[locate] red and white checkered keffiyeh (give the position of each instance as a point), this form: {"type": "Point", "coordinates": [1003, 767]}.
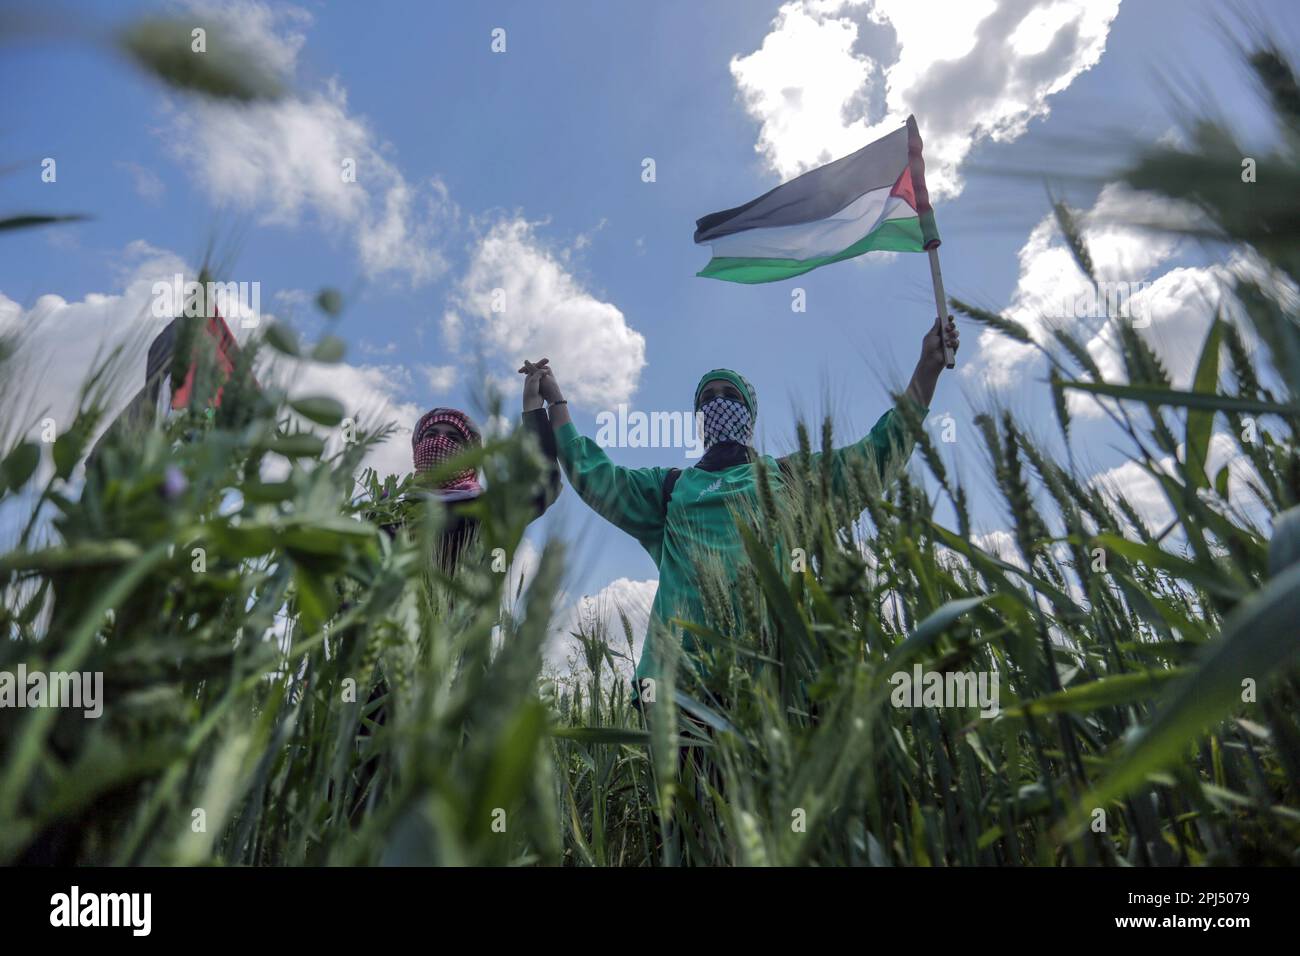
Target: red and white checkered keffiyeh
{"type": "Point", "coordinates": [431, 450]}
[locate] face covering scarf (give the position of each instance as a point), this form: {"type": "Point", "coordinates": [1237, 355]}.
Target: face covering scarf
{"type": "Point", "coordinates": [432, 450]}
{"type": "Point", "coordinates": [726, 419]}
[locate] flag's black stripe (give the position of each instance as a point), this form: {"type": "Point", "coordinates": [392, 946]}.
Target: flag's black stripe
{"type": "Point", "coordinates": [817, 193]}
{"type": "Point", "coordinates": [160, 353]}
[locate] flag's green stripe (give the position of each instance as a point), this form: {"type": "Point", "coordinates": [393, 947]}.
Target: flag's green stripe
{"type": "Point", "coordinates": [892, 235]}
{"type": "Point", "coordinates": [929, 230]}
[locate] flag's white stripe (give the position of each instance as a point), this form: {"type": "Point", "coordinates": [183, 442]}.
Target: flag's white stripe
{"type": "Point", "coordinates": [809, 240]}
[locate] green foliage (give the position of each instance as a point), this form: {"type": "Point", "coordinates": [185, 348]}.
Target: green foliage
{"type": "Point", "coordinates": [292, 678]}
{"type": "Point", "coordinates": [249, 630]}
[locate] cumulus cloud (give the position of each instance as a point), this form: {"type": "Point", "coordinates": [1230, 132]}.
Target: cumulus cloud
{"type": "Point", "coordinates": [600, 613]}
{"type": "Point", "coordinates": [1001, 544]}
{"type": "Point", "coordinates": [61, 341]}
{"type": "Point", "coordinates": [1179, 306]}
{"type": "Point", "coordinates": [833, 75]}
{"type": "Point", "coordinates": [1050, 282]}
{"type": "Point", "coordinates": [597, 613]}
{"type": "Point", "coordinates": [520, 300]}
{"type": "Point", "coordinates": [371, 396]}
{"type": "Point", "coordinates": [1134, 483]}
{"type": "Point", "coordinates": [1173, 309]}
{"type": "Point", "coordinates": [439, 378]}
{"type": "Point", "coordinates": [148, 184]}
{"type": "Point", "coordinates": [306, 156]}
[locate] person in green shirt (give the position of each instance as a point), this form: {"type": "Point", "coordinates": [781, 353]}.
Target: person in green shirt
{"type": "Point", "coordinates": [686, 518]}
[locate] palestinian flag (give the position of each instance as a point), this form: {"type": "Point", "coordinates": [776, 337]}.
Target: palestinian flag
{"type": "Point", "coordinates": [165, 390]}
{"type": "Point", "coordinates": [869, 201]}
{"type": "Point", "coordinates": [222, 351]}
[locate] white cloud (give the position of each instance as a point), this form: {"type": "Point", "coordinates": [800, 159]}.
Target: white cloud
{"type": "Point", "coordinates": [596, 614]}
{"type": "Point", "coordinates": [291, 300]}
{"type": "Point", "coordinates": [523, 302]}
{"type": "Point", "coordinates": [62, 341]}
{"type": "Point", "coordinates": [599, 613]}
{"type": "Point", "coordinates": [833, 75]}
{"type": "Point", "coordinates": [452, 329]}
{"type": "Point", "coordinates": [1132, 482]}
{"type": "Point", "coordinates": [371, 396]}
{"type": "Point", "coordinates": [1178, 304]}
{"type": "Point", "coordinates": [440, 378]}
{"type": "Point", "coordinates": [285, 160]}
{"type": "Point", "coordinates": [1001, 544]}
{"type": "Point", "coordinates": [148, 184]}
{"type": "Point", "coordinates": [498, 426]}
{"type": "Point", "coordinates": [1148, 498]}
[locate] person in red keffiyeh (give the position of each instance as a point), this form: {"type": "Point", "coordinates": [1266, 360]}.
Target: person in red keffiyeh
{"type": "Point", "coordinates": [439, 436]}
{"type": "Point", "coordinates": [443, 434]}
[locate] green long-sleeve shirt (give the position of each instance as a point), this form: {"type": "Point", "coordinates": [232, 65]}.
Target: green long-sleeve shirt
{"type": "Point", "coordinates": [697, 528]}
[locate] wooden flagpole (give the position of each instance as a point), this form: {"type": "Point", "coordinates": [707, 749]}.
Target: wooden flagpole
{"type": "Point", "coordinates": [941, 304]}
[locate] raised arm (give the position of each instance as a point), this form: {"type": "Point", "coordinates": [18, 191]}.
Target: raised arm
{"type": "Point", "coordinates": [629, 498]}
{"type": "Point", "coordinates": [538, 422]}
{"type": "Point", "coordinates": [931, 363]}
{"type": "Point", "coordinates": [865, 468]}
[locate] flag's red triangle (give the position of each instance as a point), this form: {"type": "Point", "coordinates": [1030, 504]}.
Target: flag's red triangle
{"type": "Point", "coordinates": [226, 351]}
{"type": "Point", "coordinates": [903, 188]}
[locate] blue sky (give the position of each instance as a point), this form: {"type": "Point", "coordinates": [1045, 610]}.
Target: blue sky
{"type": "Point", "coordinates": [523, 170]}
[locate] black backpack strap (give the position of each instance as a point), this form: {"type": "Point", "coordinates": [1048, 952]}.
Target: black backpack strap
{"type": "Point", "coordinates": [670, 480]}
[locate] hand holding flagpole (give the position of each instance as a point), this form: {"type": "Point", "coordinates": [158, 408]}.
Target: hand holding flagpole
{"type": "Point", "coordinates": [941, 304]}
{"type": "Point", "coordinates": [937, 347]}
